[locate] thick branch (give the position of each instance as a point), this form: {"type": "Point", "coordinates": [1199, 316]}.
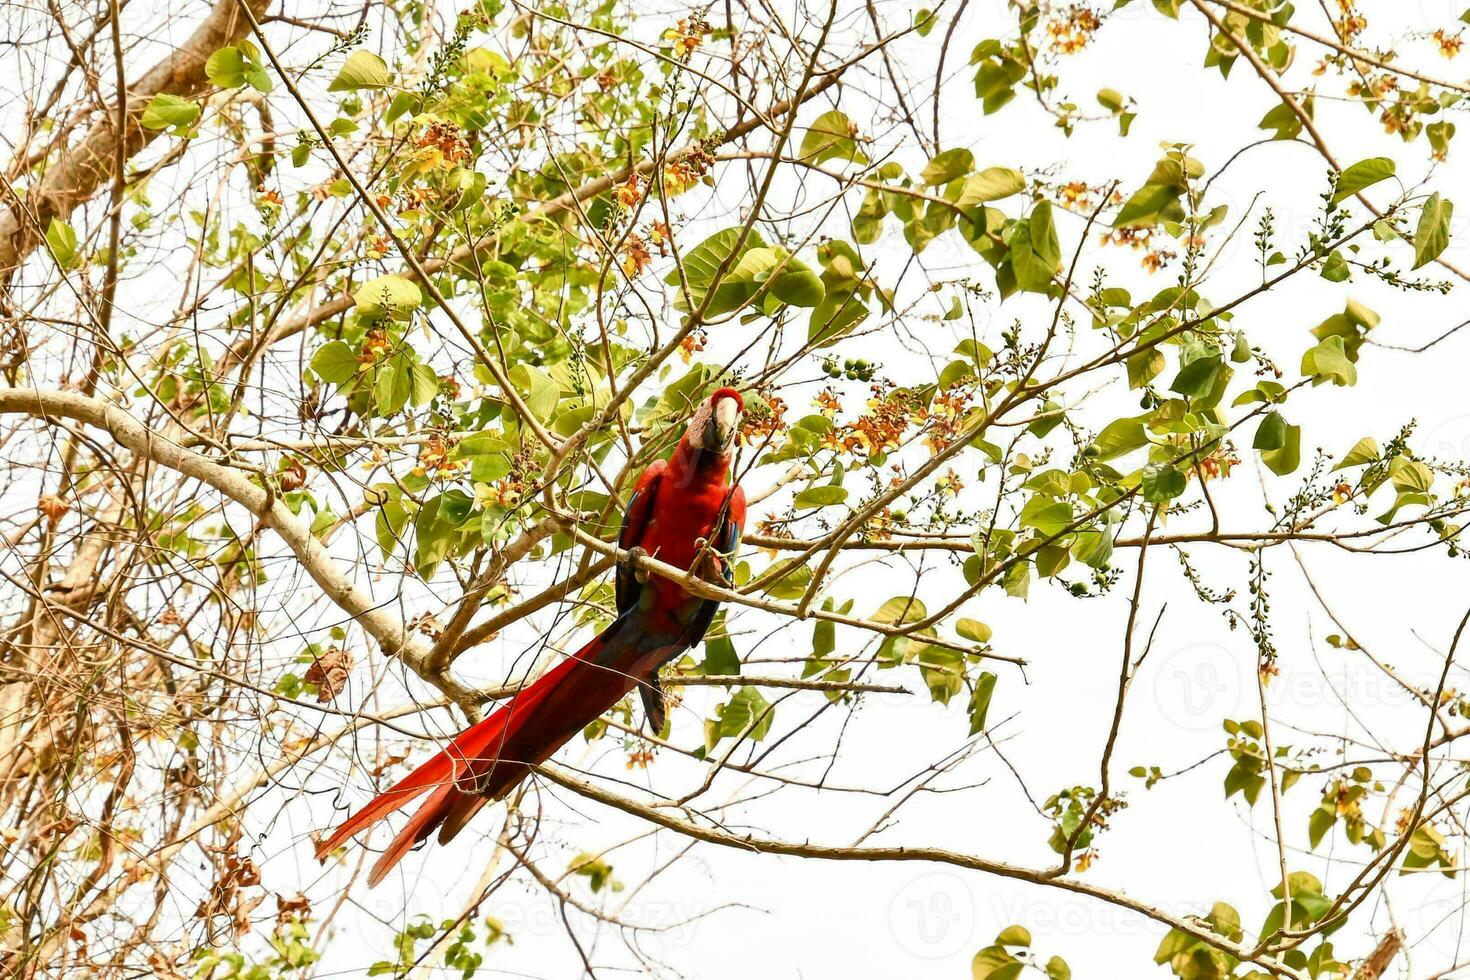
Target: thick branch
{"type": "Point", "coordinates": [390, 633]}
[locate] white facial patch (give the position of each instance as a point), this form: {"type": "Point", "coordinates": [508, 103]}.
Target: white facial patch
{"type": "Point", "coordinates": [727, 413]}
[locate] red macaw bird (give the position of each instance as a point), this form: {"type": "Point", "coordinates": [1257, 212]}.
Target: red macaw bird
{"type": "Point", "coordinates": [682, 511]}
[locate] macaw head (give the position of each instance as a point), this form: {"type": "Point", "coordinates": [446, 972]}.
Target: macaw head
{"type": "Point", "coordinates": [716, 423]}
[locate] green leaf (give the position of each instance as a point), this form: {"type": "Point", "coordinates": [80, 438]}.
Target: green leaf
{"type": "Point", "coordinates": [456, 507]}
{"type": "Point", "coordinates": [1271, 433]}
{"type": "Point", "coordinates": [539, 389]}
{"type": "Point", "coordinates": [1121, 436]}
{"type": "Point", "coordinates": [990, 184]}
{"type": "Point", "coordinates": [483, 443]}
{"type": "Point", "coordinates": [1411, 476]}
{"type": "Point", "coordinates": [226, 68]}
{"type": "Point", "coordinates": [166, 111]}
{"type": "Point", "coordinates": [1158, 198]}
{"type": "Point", "coordinates": [1286, 458]}
{"type": "Point", "coordinates": [947, 166]}
{"type": "Point", "coordinates": [1144, 366]}
{"type": "Point", "coordinates": [1014, 936]}
{"type": "Point", "coordinates": [1328, 361]}
{"type": "Point", "coordinates": [387, 297]}
{"type": "Point", "coordinates": [393, 386]}
{"type": "Point", "coordinates": [900, 609]}
{"type": "Point", "coordinates": [701, 263]}
{"type": "Point", "coordinates": [391, 522]}
{"type": "Point", "coordinates": [1051, 559]}
{"type": "Point", "coordinates": [423, 384]}
{"type": "Point", "coordinates": [1198, 376]}
{"type": "Point", "coordinates": [1044, 236]}
{"type": "Point", "coordinates": [61, 238]}
{"type": "Point", "coordinates": [747, 709]}
{"type": "Point", "coordinates": [1352, 325]}
{"type": "Point", "coordinates": [720, 658]}
{"type": "Point", "coordinates": [1319, 824]}
{"type": "Point", "coordinates": [973, 629]}
{"type": "Point", "coordinates": [1036, 255]}
{"type": "Point", "coordinates": [867, 224]}
{"type": "Point", "coordinates": [980, 701]}
{"type": "Point", "coordinates": [336, 363]}
{"type": "Point", "coordinates": [255, 73]}
{"type": "Point", "coordinates": [1094, 548]}
{"type": "Point", "coordinates": [1433, 234]}
{"type": "Point", "coordinates": [994, 963]}
{"type": "Point", "coordinates": [835, 317]}
{"type": "Point", "coordinates": [831, 137]}
{"type": "Point", "coordinates": [1050, 517]}
{"type": "Point", "coordinates": [995, 79]}
{"type": "Point", "coordinates": [790, 580]}
{"type": "Point", "coordinates": [942, 669]}
{"type": "Point", "coordinates": [1018, 580]}
{"type": "Point", "coordinates": [798, 285]}
{"type": "Point", "coordinates": [598, 872]}
{"type": "Point", "coordinates": [1265, 392]}
{"type": "Point", "coordinates": [1439, 134]}
{"type": "Point", "coordinates": [1365, 450]}
{"type": "Point", "coordinates": [1362, 175]}
{"type": "Point", "coordinates": [1162, 482]}
{"type": "Point", "coordinates": [794, 284]}
{"type": "Point", "coordinates": [1283, 118]}
{"type": "Point", "coordinates": [1336, 268]}
{"type": "Point", "coordinates": [824, 496]}
{"type": "Point", "coordinates": [1147, 206]}
{"type": "Point", "coordinates": [361, 70]}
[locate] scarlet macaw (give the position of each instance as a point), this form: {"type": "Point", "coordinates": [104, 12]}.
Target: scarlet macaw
{"type": "Point", "coordinates": [682, 511]}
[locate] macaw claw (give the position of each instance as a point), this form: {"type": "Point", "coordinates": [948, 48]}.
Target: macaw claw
{"type": "Point", "coordinates": [707, 562]}
{"type": "Point", "coordinates": [635, 555]}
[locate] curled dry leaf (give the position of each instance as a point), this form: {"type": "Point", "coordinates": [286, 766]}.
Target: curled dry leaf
{"type": "Point", "coordinates": [428, 626]}
{"type": "Point", "coordinates": [229, 895]}
{"type": "Point", "coordinates": [293, 476]}
{"type": "Point", "coordinates": [328, 673]}
{"type": "Point", "coordinates": [297, 908]}
{"type": "Point", "coordinates": [53, 508]}
{"type": "Point", "coordinates": [163, 967]}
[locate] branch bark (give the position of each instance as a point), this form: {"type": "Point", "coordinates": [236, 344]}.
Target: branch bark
{"type": "Point", "coordinates": [91, 164]}
{"type": "Point", "coordinates": [1377, 963]}
{"type": "Point", "coordinates": [389, 631]}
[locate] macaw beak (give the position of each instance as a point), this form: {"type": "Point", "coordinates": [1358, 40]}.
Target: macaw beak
{"type": "Point", "coordinates": [724, 425]}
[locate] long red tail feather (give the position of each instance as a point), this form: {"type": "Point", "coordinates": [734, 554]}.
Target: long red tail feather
{"type": "Point", "coordinates": [493, 756]}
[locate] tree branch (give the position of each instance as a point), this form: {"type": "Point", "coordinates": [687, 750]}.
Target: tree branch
{"type": "Point", "coordinates": [83, 169]}
{"type": "Point", "coordinates": [390, 633]}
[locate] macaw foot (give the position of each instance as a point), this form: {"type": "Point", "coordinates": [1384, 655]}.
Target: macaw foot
{"type": "Point", "coordinates": [707, 563]}
{"type": "Point", "coordinates": [635, 555]}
